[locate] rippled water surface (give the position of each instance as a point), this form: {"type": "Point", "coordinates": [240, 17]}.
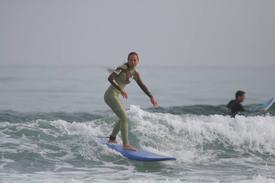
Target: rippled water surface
{"type": "Point", "coordinates": [52, 116]}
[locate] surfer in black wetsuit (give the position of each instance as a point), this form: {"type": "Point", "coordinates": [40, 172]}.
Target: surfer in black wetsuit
{"type": "Point", "coordinates": [235, 106]}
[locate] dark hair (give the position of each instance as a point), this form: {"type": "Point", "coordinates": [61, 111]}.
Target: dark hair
{"type": "Point", "coordinates": [239, 93]}
{"type": "Point", "coordinates": [132, 53]}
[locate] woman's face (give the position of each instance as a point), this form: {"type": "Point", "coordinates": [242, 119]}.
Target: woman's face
{"type": "Point", "coordinates": [133, 61]}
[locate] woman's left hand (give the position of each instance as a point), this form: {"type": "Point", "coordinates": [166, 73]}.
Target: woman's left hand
{"type": "Point", "coordinates": [154, 101]}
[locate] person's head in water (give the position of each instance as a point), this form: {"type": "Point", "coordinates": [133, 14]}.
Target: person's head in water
{"type": "Point", "coordinates": [133, 59]}
{"type": "Point", "coordinates": [240, 96]}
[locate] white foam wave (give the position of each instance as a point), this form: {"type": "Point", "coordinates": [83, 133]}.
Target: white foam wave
{"type": "Point", "coordinates": [197, 138]}
{"type": "Point", "coordinates": [190, 138]}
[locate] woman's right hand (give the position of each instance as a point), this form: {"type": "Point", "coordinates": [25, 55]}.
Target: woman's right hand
{"type": "Point", "coordinates": [124, 94]}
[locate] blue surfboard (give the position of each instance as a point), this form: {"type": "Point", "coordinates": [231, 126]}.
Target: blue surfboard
{"type": "Point", "coordinates": [265, 106]}
{"type": "Point", "coordinates": [139, 155]}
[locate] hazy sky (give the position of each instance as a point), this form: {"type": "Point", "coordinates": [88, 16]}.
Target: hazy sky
{"type": "Point", "coordinates": [166, 32]}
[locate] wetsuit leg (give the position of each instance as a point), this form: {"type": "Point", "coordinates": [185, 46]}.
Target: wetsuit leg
{"type": "Point", "coordinates": [117, 107]}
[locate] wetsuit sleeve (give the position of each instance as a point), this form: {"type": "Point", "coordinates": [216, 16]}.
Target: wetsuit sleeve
{"type": "Point", "coordinates": [141, 84]}
{"type": "Point", "coordinates": [112, 76]}
{"type": "Point", "coordinates": [229, 104]}
{"type": "Point", "coordinates": [116, 72]}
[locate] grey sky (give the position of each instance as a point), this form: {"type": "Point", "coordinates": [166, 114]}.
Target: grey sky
{"type": "Point", "coordinates": [167, 32]}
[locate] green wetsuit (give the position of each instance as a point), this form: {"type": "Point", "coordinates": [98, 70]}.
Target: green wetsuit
{"type": "Point", "coordinates": [119, 79]}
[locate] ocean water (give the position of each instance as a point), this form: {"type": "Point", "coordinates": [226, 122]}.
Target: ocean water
{"type": "Point", "coordinates": [51, 117]}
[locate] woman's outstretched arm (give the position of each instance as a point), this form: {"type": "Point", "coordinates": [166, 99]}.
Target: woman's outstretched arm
{"type": "Point", "coordinates": [145, 89]}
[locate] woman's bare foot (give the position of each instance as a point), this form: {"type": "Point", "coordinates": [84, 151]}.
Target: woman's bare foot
{"type": "Point", "coordinates": [129, 147]}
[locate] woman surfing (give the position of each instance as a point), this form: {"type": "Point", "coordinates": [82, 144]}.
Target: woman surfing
{"type": "Point", "coordinates": [119, 78]}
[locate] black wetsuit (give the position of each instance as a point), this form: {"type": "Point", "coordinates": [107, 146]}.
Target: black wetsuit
{"type": "Point", "coordinates": [234, 107]}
